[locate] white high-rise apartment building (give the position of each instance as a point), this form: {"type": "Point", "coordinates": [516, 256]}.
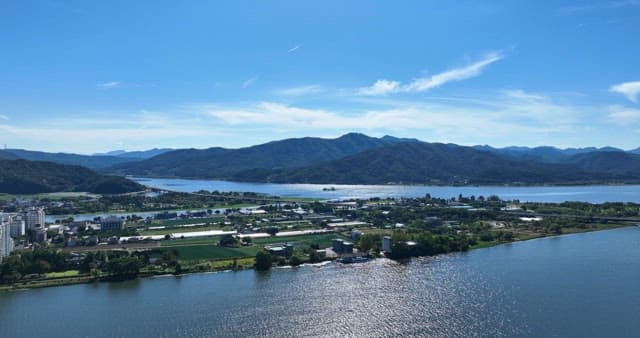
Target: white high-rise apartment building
{"type": "Point", "coordinates": [16, 224]}
{"type": "Point", "coordinates": [6, 242]}
{"type": "Point", "coordinates": [33, 217]}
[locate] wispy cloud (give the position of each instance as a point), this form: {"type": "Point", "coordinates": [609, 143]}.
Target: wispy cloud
{"type": "Point", "coordinates": [384, 87]}
{"type": "Point", "coordinates": [381, 87]}
{"type": "Point", "coordinates": [97, 132]}
{"type": "Point", "coordinates": [599, 6]}
{"type": "Point", "coordinates": [629, 89]}
{"type": "Point", "coordinates": [624, 115]}
{"type": "Point", "coordinates": [503, 115]}
{"type": "Point", "coordinates": [250, 81]}
{"type": "Point", "coordinates": [301, 90]}
{"type": "Point", "coordinates": [109, 85]}
{"type": "Point", "coordinates": [4, 117]}
{"type": "Point", "coordinates": [499, 118]}
{"type": "Point", "coordinates": [293, 49]}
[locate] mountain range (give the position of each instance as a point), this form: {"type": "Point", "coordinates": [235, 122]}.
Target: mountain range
{"type": "Point", "coordinates": [141, 154]}
{"type": "Point", "coordinates": [450, 164]}
{"type": "Point", "coordinates": [359, 159]}
{"type": "Point", "coordinates": [224, 163]}
{"type": "Point", "coordinates": [96, 161]}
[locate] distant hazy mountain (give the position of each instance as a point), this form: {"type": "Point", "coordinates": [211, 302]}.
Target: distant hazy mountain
{"type": "Point", "coordinates": [143, 154]}
{"type": "Point", "coordinates": [545, 153]}
{"type": "Point", "coordinates": [610, 162]}
{"type": "Point", "coordinates": [111, 153]}
{"type": "Point", "coordinates": [392, 139]}
{"type": "Point", "coordinates": [223, 163]}
{"type": "Point", "coordinates": [434, 163]}
{"type": "Point", "coordinates": [89, 161]}
{"type": "Point", "coordinates": [29, 177]}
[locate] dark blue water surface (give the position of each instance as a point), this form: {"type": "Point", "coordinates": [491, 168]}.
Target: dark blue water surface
{"type": "Point", "coordinates": [584, 285]}
{"type": "Point", "coordinates": [591, 193]}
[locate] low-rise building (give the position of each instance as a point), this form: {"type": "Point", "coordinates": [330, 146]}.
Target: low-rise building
{"type": "Point", "coordinates": [347, 248]}
{"type": "Point", "coordinates": [340, 246]}
{"type": "Point", "coordinates": [336, 245]}
{"type": "Point", "coordinates": [38, 234]}
{"type": "Point", "coordinates": [112, 223]}
{"type": "Point", "coordinates": [285, 250]}
{"type": "Point", "coordinates": [386, 244]}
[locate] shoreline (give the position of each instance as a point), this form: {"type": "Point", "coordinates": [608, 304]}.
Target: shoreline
{"type": "Point", "coordinates": [88, 279]}
{"type": "Point", "coordinates": [139, 179]}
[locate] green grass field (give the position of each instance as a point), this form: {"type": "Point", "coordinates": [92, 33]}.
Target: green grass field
{"type": "Point", "coordinates": [63, 274]}
{"type": "Point", "coordinates": [191, 241]}
{"type": "Point", "coordinates": [207, 249]}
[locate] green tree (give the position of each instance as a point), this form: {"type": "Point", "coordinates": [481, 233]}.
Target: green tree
{"type": "Point", "coordinates": [295, 261]}
{"type": "Point", "coordinates": [228, 241]}
{"type": "Point", "coordinates": [272, 231]}
{"type": "Point", "coordinates": [263, 261]}
{"type": "Point", "coordinates": [366, 242]}
{"type": "Point", "coordinates": [128, 267]}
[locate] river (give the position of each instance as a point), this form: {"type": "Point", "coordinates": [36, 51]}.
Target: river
{"type": "Point", "coordinates": [591, 193]}
{"type": "Point", "coordinates": [568, 286]}
{"type": "Point", "coordinates": [553, 194]}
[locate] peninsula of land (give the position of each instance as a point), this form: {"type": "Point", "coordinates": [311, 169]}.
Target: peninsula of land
{"type": "Point", "coordinates": [216, 231]}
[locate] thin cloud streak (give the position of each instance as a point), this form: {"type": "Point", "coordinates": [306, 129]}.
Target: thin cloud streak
{"type": "Point", "coordinates": [384, 87]}
{"type": "Point", "coordinates": [599, 6]}
{"type": "Point", "coordinates": [109, 85]}
{"type": "Point", "coordinates": [293, 49]}
{"type": "Point", "coordinates": [250, 82]}
{"type": "Point", "coordinates": [301, 90]}
{"type": "Point", "coordinates": [624, 115]}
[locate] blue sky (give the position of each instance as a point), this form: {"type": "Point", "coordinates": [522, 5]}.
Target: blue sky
{"type": "Point", "coordinates": [93, 76]}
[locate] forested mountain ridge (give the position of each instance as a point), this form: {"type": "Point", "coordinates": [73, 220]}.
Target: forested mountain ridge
{"type": "Point", "coordinates": [30, 177]}
{"type": "Point", "coordinates": [436, 163]}
{"type": "Point", "coordinates": [223, 163]}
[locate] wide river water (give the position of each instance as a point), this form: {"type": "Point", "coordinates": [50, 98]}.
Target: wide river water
{"type": "Point", "coordinates": [591, 193]}
{"type": "Point", "coordinates": [583, 285]}
{"type": "Point", "coordinates": [554, 194]}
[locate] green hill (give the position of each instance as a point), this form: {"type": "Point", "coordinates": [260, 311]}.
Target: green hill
{"type": "Point", "coordinates": [90, 161]}
{"type": "Point", "coordinates": [224, 163]}
{"type": "Point", "coordinates": [30, 177]}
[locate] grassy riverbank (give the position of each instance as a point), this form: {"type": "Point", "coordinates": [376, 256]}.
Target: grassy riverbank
{"type": "Point", "coordinates": [524, 236]}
